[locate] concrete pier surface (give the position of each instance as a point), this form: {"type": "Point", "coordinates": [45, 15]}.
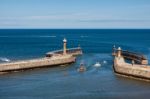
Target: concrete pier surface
{"type": "Point", "coordinates": [132, 68]}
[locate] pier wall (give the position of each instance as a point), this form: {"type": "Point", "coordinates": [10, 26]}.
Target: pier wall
{"type": "Point", "coordinates": [139, 71]}
{"type": "Point", "coordinates": [35, 63]}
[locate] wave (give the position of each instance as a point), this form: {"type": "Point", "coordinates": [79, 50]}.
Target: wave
{"type": "Point", "coordinates": [31, 36]}
{"type": "Point", "coordinates": [82, 36]}
{"type": "Point", "coordinates": [4, 59]}
{"type": "Point", "coordinates": [48, 36]}
{"type": "Point", "coordinates": [104, 62]}
{"type": "Point", "coordinates": [103, 56]}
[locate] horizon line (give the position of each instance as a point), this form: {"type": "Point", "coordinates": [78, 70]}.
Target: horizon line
{"type": "Point", "coordinates": [74, 28]}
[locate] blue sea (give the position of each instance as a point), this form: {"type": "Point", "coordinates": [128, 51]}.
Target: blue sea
{"type": "Point", "coordinates": [65, 82]}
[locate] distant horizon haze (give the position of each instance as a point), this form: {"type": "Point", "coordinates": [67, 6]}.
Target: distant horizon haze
{"type": "Point", "coordinates": [75, 14]}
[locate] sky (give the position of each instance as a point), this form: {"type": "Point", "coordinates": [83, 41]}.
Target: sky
{"type": "Point", "coordinates": [86, 14]}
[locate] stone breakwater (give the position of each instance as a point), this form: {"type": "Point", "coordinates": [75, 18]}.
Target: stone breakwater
{"type": "Point", "coordinates": [57, 57]}
{"type": "Point", "coordinates": [37, 63]}
{"type": "Point", "coordinates": [133, 70]}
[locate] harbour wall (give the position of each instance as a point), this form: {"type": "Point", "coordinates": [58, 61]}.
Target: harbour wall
{"type": "Point", "coordinates": [37, 63]}
{"type": "Point", "coordinates": [135, 70]}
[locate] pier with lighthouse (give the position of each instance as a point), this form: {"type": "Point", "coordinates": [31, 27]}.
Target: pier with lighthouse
{"type": "Point", "coordinates": [130, 64]}
{"type": "Point", "coordinates": [53, 58]}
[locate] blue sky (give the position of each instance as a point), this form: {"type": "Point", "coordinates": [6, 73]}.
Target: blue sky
{"type": "Point", "coordinates": [99, 14]}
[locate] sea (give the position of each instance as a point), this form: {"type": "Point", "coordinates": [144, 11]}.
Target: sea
{"type": "Point", "coordinates": [65, 82]}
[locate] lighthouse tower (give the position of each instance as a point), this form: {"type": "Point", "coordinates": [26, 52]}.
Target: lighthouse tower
{"type": "Point", "coordinates": [119, 52]}
{"type": "Point", "coordinates": [64, 47]}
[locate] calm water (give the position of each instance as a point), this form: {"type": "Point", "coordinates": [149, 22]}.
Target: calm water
{"type": "Point", "coordinates": [65, 82]}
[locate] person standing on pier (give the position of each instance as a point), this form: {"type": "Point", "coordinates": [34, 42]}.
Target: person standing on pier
{"type": "Point", "coordinates": [133, 62]}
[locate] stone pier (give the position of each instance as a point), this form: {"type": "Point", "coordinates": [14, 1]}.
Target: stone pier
{"type": "Point", "coordinates": [135, 70]}
{"type": "Point", "coordinates": [58, 57]}
{"type": "Point", "coordinates": [37, 63]}
{"type": "Point", "coordinates": [138, 70]}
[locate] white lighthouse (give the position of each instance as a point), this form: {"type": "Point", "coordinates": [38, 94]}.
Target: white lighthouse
{"type": "Point", "coordinates": [119, 52]}
{"type": "Point", "coordinates": [64, 47]}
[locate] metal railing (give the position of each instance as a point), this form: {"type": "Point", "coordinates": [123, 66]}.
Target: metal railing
{"type": "Point", "coordinates": [69, 50]}
{"type": "Point", "coordinates": [130, 55]}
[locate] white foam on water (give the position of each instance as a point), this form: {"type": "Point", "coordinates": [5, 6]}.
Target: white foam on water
{"type": "Point", "coordinates": [4, 59]}
{"type": "Point", "coordinates": [104, 62]}
{"type": "Point", "coordinates": [82, 36]}
{"type": "Point", "coordinates": [97, 64]}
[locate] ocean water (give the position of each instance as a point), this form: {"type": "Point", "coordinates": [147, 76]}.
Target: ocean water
{"type": "Point", "coordinates": [65, 82]}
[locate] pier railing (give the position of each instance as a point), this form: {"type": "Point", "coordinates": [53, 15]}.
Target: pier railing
{"type": "Point", "coordinates": [74, 51]}
{"type": "Point", "coordinates": [137, 57]}
{"type": "Point", "coordinates": [132, 55]}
